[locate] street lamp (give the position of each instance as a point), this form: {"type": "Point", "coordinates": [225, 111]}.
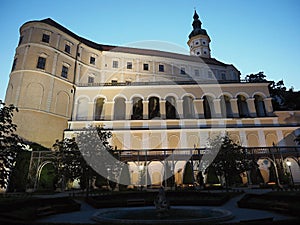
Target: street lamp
{"type": "Point", "coordinates": [289, 163]}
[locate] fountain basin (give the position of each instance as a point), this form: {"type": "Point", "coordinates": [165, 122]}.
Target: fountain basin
{"type": "Point", "coordinates": [148, 215]}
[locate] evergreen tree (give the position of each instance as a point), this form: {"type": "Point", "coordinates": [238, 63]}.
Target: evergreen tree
{"type": "Point", "coordinates": [188, 174]}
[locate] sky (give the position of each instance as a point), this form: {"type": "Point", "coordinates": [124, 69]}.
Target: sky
{"type": "Point", "coordinates": [253, 35]}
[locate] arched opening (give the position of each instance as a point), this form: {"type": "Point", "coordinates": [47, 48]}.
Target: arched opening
{"type": "Point", "coordinates": [47, 177]}
{"type": "Point", "coordinates": [119, 109]}
{"type": "Point", "coordinates": [154, 110]}
{"type": "Point", "coordinates": [242, 106]}
{"type": "Point", "coordinates": [226, 110]}
{"type": "Point", "coordinates": [137, 109]}
{"type": "Point", "coordinates": [188, 107]}
{"type": "Point", "coordinates": [171, 112]}
{"type": "Point", "coordinates": [99, 114]}
{"type": "Point", "coordinates": [82, 109]}
{"type": "Point", "coordinates": [259, 106]}
{"type": "Point", "coordinates": [208, 107]}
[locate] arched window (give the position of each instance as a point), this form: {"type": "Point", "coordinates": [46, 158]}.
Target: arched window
{"type": "Point", "coordinates": [137, 109]}
{"type": "Point", "coordinates": [119, 109]}
{"type": "Point", "coordinates": [242, 106]}
{"type": "Point", "coordinates": [225, 106]}
{"type": "Point", "coordinates": [208, 107]}
{"type": "Point", "coordinates": [153, 110]}
{"type": "Point", "coordinates": [171, 112]}
{"type": "Point", "coordinates": [99, 114]}
{"type": "Point", "coordinates": [188, 107]}
{"type": "Point", "coordinates": [259, 106]}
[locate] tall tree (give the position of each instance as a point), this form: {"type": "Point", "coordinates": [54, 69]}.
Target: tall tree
{"type": "Point", "coordinates": [9, 142]}
{"type": "Point", "coordinates": [188, 174]}
{"type": "Point", "coordinates": [230, 161]}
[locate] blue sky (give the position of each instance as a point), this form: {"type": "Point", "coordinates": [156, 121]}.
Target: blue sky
{"type": "Point", "coordinates": [256, 35]}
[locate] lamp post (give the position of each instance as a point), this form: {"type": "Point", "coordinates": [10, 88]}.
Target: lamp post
{"type": "Point", "coordinates": [289, 163]}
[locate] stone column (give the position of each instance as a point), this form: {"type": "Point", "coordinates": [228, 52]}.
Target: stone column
{"type": "Point", "coordinates": [199, 110]}
{"type": "Point", "coordinates": [268, 106]}
{"type": "Point", "coordinates": [217, 108]}
{"type": "Point", "coordinates": [251, 107]}
{"type": "Point", "coordinates": [145, 109]}
{"type": "Point", "coordinates": [234, 107]}
{"type": "Point", "coordinates": [128, 109]}
{"type": "Point", "coordinates": [108, 110]}
{"type": "Point", "coordinates": [180, 108]}
{"type": "Point", "coordinates": [162, 108]}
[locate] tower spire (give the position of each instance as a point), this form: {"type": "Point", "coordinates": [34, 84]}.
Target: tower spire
{"type": "Point", "coordinates": [198, 38]}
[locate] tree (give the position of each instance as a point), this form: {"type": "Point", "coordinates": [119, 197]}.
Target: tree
{"type": "Point", "coordinates": [9, 142]}
{"type": "Point", "coordinates": [256, 78]}
{"type": "Point", "coordinates": [124, 177]}
{"type": "Point", "coordinates": [70, 163]}
{"type": "Point", "coordinates": [188, 174]}
{"type": "Point", "coordinates": [230, 160]}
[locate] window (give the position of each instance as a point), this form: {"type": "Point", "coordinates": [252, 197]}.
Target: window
{"type": "Point", "coordinates": [92, 60]}
{"type": "Point", "coordinates": [146, 66]}
{"type": "Point", "coordinates": [204, 52]}
{"type": "Point", "coordinates": [14, 64]}
{"type": "Point", "coordinates": [129, 65]}
{"type": "Point", "coordinates": [198, 53]}
{"type": "Point", "coordinates": [20, 40]}
{"type": "Point", "coordinates": [197, 43]}
{"type": "Point", "coordinates": [67, 48]}
{"type": "Point", "coordinates": [182, 70]}
{"type": "Point", "coordinates": [46, 38]}
{"type": "Point", "coordinates": [203, 42]}
{"type": "Point", "coordinates": [64, 71]}
{"type": "Point", "coordinates": [210, 74]}
{"type": "Point", "coordinates": [115, 64]}
{"type": "Point", "coordinates": [197, 73]}
{"type": "Point", "coordinates": [41, 63]}
{"type": "Point", "coordinates": [161, 68]}
{"type": "Point", "coordinates": [91, 80]}
{"type": "Point", "coordinates": [223, 75]}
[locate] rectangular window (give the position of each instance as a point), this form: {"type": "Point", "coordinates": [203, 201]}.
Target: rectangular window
{"type": "Point", "coordinates": [20, 40]}
{"type": "Point", "coordinates": [146, 66]}
{"type": "Point", "coordinates": [115, 64]}
{"type": "Point", "coordinates": [91, 80]}
{"type": "Point", "coordinates": [64, 71]}
{"type": "Point", "coordinates": [67, 48]}
{"type": "Point", "coordinates": [210, 74]}
{"type": "Point", "coordinates": [182, 70]}
{"type": "Point", "coordinates": [161, 68]}
{"type": "Point", "coordinates": [14, 64]}
{"type": "Point", "coordinates": [129, 65]}
{"type": "Point", "coordinates": [41, 63]}
{"type": "Point", "coordinates": [46, 38]}
{"type": "Point", "coordinates": [197, 73]}
{"type": "Point", "coordinates": [92, 60]}
{"type": "Point", "coordinates": [223, 75]}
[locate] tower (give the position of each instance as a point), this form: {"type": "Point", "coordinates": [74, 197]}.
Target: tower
{"type": "Point", "coordinates": [199, 39]}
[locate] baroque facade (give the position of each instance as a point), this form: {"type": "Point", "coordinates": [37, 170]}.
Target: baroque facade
{"type": "Point", "coordinates": [149, 99]}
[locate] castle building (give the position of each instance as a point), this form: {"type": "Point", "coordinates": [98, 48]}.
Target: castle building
{"type": "Point", "coordinates": [149, 99]}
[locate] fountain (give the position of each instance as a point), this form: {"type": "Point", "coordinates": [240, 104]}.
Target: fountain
{"type": "Point", "coordinates": [162, 213]}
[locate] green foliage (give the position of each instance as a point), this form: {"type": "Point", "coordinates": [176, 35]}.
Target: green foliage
{"type": "Point", "coordinates": [84, 162]}
{"type": "Point", "coordinates": [256, 78]}
{"type": "Point", "coordinates": [212, 177]}
{"type": "Point", "coordinates": [18, 179]}
{"type": "Point", "coordinates": [188, 174]}
{"type": "Point", "coordinates": [230, 159]}
{"type": "Point", "coordinates": [9, 142]}
{"type": "Point", "coordinates": [47, 179]}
